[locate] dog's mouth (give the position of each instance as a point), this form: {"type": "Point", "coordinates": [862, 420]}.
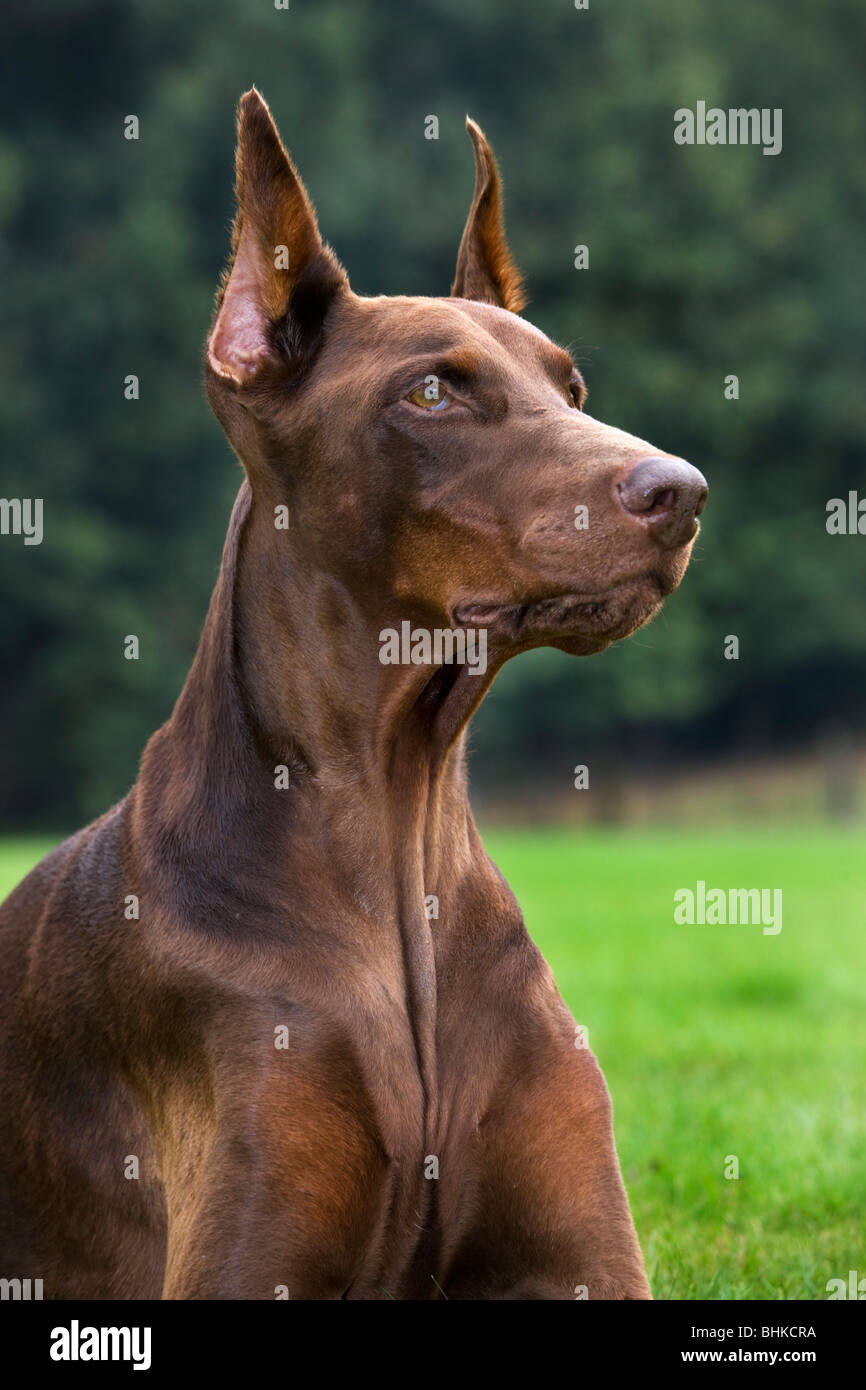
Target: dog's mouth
{"type": "Point", "coordinates": [596, 619]}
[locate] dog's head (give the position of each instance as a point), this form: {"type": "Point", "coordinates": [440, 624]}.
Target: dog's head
{"type": "Point", "coordinates": [434, 454]}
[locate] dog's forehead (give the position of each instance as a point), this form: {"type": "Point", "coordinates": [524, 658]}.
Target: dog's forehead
{"type": "Point", "coordinates": [410, 325]}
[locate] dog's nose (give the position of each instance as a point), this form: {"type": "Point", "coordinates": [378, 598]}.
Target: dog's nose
{"type": "Point", "coordinates": [666, 496]}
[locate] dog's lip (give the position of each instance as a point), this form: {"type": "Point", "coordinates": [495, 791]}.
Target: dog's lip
{"type": "Point", "coordinates": [486, 613]}
{"type": "Point", "coordinates": [557, 610]}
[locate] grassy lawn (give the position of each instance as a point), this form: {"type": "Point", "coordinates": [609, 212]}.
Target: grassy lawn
{"type": "Point", "coordinates": [719, 1040]}
{"type": "Point", "coordinates": [716, 1041]}
{"type": "Point", "coordinates": [17, 857]}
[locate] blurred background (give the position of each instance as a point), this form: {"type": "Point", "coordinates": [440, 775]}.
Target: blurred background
{"type": "Point", "coordinates": [704, 262]}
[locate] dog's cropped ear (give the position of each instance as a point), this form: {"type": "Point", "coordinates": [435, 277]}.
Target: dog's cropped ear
{"type": "Point", "coordinates": [485, 269]}
{"type": "Point", "coordinates": [281, 279]}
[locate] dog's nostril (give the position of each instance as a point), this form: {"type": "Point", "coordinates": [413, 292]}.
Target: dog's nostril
{"type": "Point", "coordinates": [667, 495]}
{"type": "Point", "coordinates": [662, 500]}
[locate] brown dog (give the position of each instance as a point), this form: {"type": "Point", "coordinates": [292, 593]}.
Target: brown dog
{"type": "Point", "coordinates": [273, 1025]}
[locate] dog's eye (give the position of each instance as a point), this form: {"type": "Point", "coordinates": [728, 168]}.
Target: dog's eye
{"type": "Point", "coordinates": [430, 396]}
{"type": "Point", "coordinates": [578, 392]}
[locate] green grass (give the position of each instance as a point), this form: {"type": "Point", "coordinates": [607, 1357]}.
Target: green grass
{"type": "Point", "coordinates": [715, 1041]}
{"type": "Point", "coordinates": [718, 1040]}
{"type": "Point", "coordinates": [17, 857]}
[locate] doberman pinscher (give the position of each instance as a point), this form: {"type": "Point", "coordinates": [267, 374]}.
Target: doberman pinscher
{"type": "Point", "coordinates": [273, 1026]}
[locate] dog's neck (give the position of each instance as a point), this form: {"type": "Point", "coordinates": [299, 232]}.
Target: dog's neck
{"type": "Point", "coordinates": [293, 756]}
{"type": "Point", "coordinates": [290, 733]}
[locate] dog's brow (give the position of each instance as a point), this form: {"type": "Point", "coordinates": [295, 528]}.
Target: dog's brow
{"type": "Point", "coordinates": [458, 362]}
{"type": "Point", "coordinates": [560, 362]}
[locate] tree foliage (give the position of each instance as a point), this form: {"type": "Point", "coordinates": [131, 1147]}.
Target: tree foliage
{"type": "Point", "coordinates": [703, 262]}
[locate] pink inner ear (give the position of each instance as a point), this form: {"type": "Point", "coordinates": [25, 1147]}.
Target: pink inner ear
{"type": "Point", "coordinates": [239, 344]}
